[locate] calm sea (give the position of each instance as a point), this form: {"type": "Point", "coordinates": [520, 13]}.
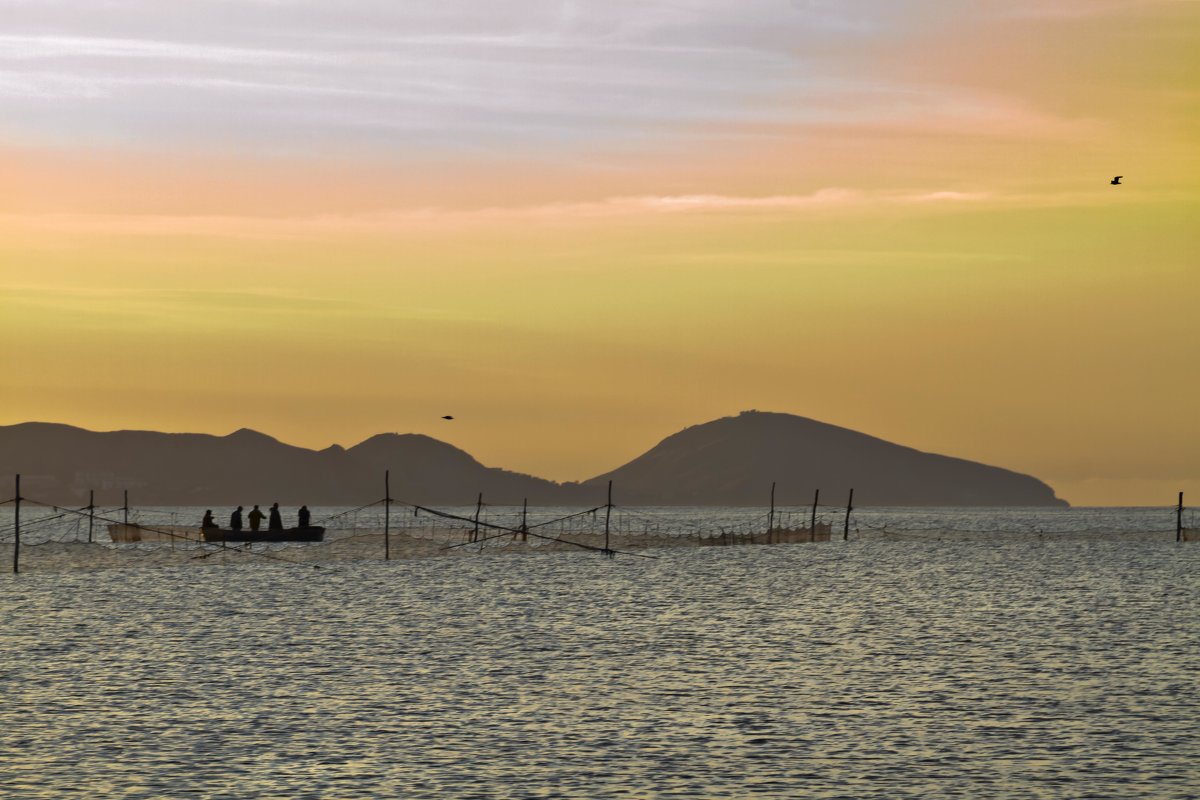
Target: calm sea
{"type": "Point", "coordinates": [1004, 665]}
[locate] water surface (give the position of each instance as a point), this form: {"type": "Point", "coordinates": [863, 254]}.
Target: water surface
{"type": "Point", "coordinates": [860, 669]}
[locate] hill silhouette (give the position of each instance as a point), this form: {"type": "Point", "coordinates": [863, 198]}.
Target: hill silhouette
{"type": "Point", "coordinates": [61, 463]}
{"type": "Point", "coordinates": [730, 461]}
{"type": "Point", "coordinates": [734, 460]}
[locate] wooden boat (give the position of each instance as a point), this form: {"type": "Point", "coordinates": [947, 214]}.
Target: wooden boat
{"type": "Point", "coordinates": [312, 533]}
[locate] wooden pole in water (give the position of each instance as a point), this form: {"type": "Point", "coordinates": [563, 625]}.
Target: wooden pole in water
{"type": "Point", "coordinates": [91, 512]}
{"type": "Point", "coordinates": [607, 515]}
{"type": "Point", "coordinates": [126, 506]}
{"type": "Point", "coordinates": [17, 529]}
{"type": "Point", "coordinates": [478, 509]}
{"type": "Point", "coordinates": [524, 517]}
{"type": "Point", "coordinates": [1179, 519]}
{"type": "Point", "coordinates": [771, 516]}
{"type": "Point", "coordinates": [387, 515]}
{"type": "Point", "coordinates": [849, 508]}
{"type": "Point", "coordinates": [813, 525]}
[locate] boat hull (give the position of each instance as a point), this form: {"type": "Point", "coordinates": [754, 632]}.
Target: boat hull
{"type": "Point", "coordinates": [313, 533]}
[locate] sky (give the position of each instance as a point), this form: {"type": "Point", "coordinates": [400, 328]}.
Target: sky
{"type": "Point", "coordinates": [579, 226]}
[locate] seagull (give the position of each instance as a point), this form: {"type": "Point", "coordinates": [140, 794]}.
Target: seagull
{"type": "Point", "coordinates": [1117, 180]}
{"type": "Point", "coordinates": [447, 417]}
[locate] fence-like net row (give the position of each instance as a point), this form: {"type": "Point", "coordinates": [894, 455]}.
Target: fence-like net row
{"type": "Point", "coordinates": [55, 538]}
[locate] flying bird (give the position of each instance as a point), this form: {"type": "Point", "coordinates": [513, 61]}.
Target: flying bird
{"type": "Point", "coordinates": [1117, 180]}
{"type": "Point", "coordinates": [447, 417]}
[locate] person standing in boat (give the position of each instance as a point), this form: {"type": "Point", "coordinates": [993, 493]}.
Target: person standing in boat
{"type": "Point", "coordinates": [256, 517]}
{"type": "Point", "coordinates": [303, 517]}
{"type": "Point", "coordinates": [208, 521]}
{"type": "Point", "coordinates": [235, 520]}
{"type": "Point", "coordinates": [276, 522]}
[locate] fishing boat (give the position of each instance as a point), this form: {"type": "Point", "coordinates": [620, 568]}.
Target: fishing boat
{"type": "Point", "coordinates": [133, 532]}
{"type": "Point", "coordinates": [309, 533]}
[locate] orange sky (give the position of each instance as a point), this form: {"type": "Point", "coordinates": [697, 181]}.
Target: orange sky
{"type": "Point", "coordinates": [899, 224]}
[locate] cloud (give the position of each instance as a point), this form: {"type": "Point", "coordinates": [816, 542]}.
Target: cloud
{"type": "Point", "coordinates": [404, 80]}
{"type": "Point", "coordinates": [37, 47]}
{"type": "Point", "coordinates": [823, 198]}
{"type": "Point", "coordinates": [1069, 9]}
{"type": "Point", "coordinates": [173, 302]}
{"type": "Point", "coordinates": [631, 207]}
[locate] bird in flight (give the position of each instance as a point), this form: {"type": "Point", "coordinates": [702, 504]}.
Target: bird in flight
{"type": "Point", "coordinates": [1117, 180]}
{"type": "Point", "coordinates": [447, 417]}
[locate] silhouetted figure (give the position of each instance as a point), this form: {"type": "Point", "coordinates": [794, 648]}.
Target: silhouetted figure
{"type": "Point", "coordinates": [303, 517]}
{"type": "Point", "coordinates": [256, 517]}
{"type": "Point", "coordinates": [276, 523]}
{"type": "Point", "coordinates": [447, 417]}
{"type": "Point", "coordinates": [235, 520]}
{"type": "Point", "coordinates": [208, 521]}
{"type": "Point", "coordinates": [1117, 180]}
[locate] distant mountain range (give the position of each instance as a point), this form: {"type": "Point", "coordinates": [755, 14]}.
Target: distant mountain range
{"type": "Point", "coordinates": [728, 462]}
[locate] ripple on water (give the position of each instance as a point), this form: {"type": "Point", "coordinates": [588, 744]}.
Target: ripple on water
{"type": "Point", "coordinates": [870, 669]}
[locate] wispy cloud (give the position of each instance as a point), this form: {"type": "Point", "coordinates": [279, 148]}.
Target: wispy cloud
{"type": "Point", "coordinates": [161, 302]}
{"type": "Point", "coordinates": [823, 198]}
{"type": "Point", "coordinates": [403, 79]}
{"type": "Point", "coordinates": [37, 47]}
{"type": "Point", "coordinates": [644, 207]}
{"type": "Point", "coordinates": [1081, 8]}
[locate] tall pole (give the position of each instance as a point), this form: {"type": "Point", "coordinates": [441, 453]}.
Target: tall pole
{"type": "Point", "coordinates": [126, 506]}
{"type": "Point", "coordinates": [91, 512]}
{"type": "Point", "coordinates": [478, 509]}
{"type": "Point", "coordinates": [813, 526]}
{"type": "Point", "coordinates": [387, 515]}
{"type": "Point", "coordinates": [524, 517]}
{"type": "Point", "coordinates": [17, 529]}
{"type": "Point", "coordinates": [849, 508]}
{"type": "Point", "coordinates": [1179, 519]}
{"type": "Point", "coordinates": [771, 516]}
{"type": "Point", "coordinates": [607, 515]}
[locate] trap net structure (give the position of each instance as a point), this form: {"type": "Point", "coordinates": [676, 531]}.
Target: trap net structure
{"type": "Point", "coordinates": [38, 536]}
